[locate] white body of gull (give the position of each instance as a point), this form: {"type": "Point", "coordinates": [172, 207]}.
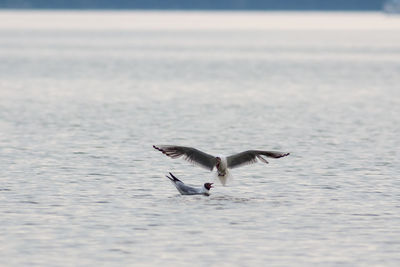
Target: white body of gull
{"type": "Point", "coordinates": [221, 163]}
{"type": "Point", "coordinates": [188, 190]}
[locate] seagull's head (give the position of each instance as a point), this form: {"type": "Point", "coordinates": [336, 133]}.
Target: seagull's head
{"type": "Point", "coordinates": [208, 186]}
{"type": "Point", "coordinates": [218, 162]}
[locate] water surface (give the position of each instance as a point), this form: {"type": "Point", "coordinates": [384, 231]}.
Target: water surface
{"type": "Point", "coordinates": [85, 95]}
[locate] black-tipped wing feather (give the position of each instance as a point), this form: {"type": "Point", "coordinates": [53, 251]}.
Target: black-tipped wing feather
{"type": "Point", "coordinates": [251, 156]}
{"type": "Point", "coordinates": [190, 154]}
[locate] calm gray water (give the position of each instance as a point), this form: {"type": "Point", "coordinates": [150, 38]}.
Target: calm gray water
{"type": "Point", "coordinates": [85, 95]}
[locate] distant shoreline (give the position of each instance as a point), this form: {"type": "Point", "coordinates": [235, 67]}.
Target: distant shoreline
{"type": "Point", "coordinates": [192, 9]}
{"type": "Point", "coordinates": [206, 5]}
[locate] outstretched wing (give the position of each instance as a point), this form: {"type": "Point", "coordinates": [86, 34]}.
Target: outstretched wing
{"type": "Point", "coordinates": [251, 156]}
{"type": "Point", "coordinates": [190, 154]}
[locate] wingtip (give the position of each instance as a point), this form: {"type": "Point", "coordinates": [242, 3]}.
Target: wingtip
{"type": "Point", "coordinates": [159, 149]}
{"type": "Point", "coordinates": [284, 155]}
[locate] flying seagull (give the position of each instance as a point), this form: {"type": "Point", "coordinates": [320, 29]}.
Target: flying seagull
{"type": "Point", "coordinates": [222, 163]}
{"type": "Point", "coordinates": [188, 190]}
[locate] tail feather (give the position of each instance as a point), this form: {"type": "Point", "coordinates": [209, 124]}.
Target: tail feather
{"type": "Point", "coordinates": [226, 179]}
{"type": "Point", "coordinates": [173, 178]}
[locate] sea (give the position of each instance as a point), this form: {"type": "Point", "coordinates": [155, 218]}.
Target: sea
{"type": "Point", "coordinates": [84, 95]}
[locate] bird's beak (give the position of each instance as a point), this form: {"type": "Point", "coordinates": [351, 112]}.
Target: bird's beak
{"type": "Point", "coordinates": [211, 185]}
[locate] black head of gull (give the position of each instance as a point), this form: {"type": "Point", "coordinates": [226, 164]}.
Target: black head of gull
{"type": "Point", "coordinates": [208, 186]}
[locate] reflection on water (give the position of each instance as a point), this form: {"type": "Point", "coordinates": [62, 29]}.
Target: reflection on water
{"type": "Point", "coordinates": [84, 96]}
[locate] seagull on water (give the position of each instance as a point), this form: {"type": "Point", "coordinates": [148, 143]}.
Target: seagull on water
{"type": "Point", "coordinates": [221, 163]}
{"type": "Point", "coordinates": [188, 190]}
